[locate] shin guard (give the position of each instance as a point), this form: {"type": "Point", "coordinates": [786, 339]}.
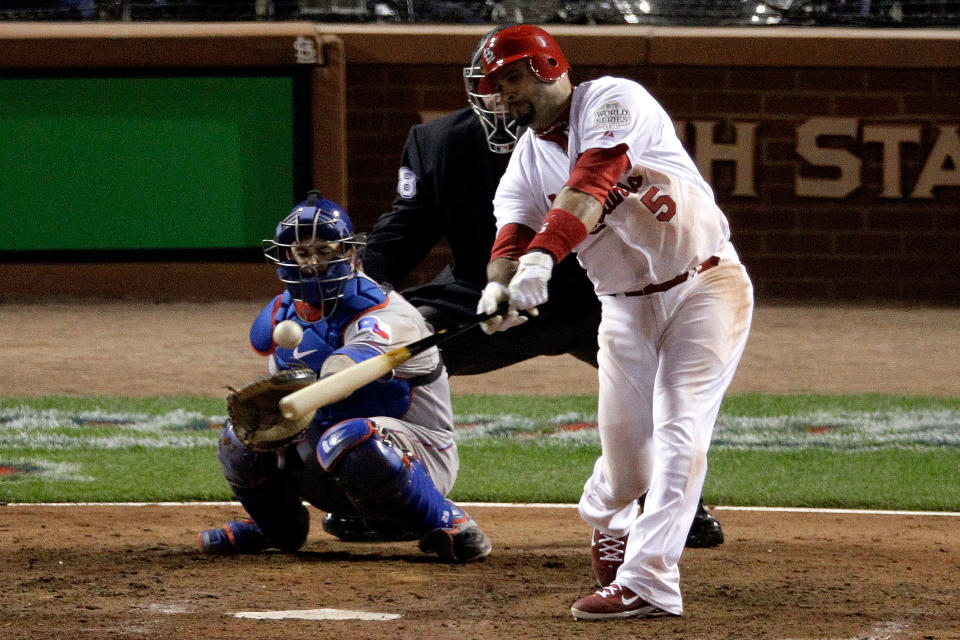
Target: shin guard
{"type": "Point", "coordinates": [380, 480]}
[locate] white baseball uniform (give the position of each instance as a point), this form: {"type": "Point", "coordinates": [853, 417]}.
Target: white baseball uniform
{"type": "Point", "coordinates": [667, 355]}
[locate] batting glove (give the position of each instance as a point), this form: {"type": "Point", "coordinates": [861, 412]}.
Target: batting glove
{"type": "Point", "coordinates": [528, 288]}
{"type": "Point", "coordinates": [490, 300]}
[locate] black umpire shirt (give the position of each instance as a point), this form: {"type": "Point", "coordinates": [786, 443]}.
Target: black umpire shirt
{"type": "Point", "coordinates": [446, 187]}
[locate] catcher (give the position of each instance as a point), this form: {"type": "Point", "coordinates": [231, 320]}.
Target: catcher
{"type": "Point", "coordinates": [386, 451]}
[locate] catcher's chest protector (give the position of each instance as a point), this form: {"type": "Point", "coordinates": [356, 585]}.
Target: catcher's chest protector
{"type": "Point", "coordinates": [311, 352]}
{"type": "Point", "coordinates": [320, 338]}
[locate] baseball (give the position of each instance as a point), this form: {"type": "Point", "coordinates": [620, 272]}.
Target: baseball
{"type": "Point", "coordinates": [287, 334]}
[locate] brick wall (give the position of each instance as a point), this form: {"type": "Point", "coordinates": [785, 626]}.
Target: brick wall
{"type": "Point", "coordinates": [855, 247]}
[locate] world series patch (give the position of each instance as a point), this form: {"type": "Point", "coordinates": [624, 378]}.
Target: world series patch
{"type": "Point", "coordinates": [611, 116]}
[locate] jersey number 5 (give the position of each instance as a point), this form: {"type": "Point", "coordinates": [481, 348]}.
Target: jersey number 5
{"type": "Point", "coordinates": [660, 204]}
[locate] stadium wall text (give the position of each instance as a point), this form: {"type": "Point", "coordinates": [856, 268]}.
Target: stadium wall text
{"type": "Point", "coordinates": [940, 165]}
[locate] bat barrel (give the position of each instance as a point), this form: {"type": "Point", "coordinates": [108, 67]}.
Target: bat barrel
{"type": "Point", "coordinates": [299, 403]}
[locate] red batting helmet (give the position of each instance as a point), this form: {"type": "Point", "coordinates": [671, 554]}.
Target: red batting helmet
{"type": "Point", "coordinates": [524, 41]}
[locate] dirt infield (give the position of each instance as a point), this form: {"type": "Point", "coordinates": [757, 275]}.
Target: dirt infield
{"type": "Point", "coordinates": [132, 572]}
{"type": "Point", "coordinates": [141, 349]}
{"type": "Point", "coordinates": [103, 572]}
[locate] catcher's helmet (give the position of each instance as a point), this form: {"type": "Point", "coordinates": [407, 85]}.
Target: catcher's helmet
{"type": "Point", "coordinates": [524, 41]}
{"type": "Point", "coordinates": [314, 250]}
{"type": "Point", "coordinates": [500, 128]}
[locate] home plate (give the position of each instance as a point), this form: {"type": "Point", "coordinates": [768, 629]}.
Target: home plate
{"type": "Point", "coordinates": [317, 614]}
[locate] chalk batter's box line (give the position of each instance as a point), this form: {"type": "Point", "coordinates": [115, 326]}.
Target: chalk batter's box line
{"type": "Point", "coordinates": [506, 505]}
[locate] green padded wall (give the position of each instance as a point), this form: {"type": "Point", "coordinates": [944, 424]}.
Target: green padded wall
{"type": "Point", "coordinates": [144, 162]}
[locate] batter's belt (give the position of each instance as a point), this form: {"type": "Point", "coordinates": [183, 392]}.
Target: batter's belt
{"type": "Point", "coordinates": [709, 263]}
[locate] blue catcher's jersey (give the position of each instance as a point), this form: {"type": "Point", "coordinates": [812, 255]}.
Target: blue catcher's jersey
{"type": "Point", "coordinates": [325, 336]}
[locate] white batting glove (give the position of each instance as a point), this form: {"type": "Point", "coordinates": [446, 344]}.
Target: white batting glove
{"type": "Point", "coordinates": [494, 294]}
{"type": "Point", "coordinates": [528, 288]}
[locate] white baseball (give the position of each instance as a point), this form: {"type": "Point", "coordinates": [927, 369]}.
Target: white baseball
{"type": "Point", "coordinates": [287, 334]}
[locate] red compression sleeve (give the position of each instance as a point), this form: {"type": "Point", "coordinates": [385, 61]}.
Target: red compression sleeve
{"type": "Point", "coordinates": [597, 170]}
{"type": "Point", "coordinates": [561, 232]}
{"type": "Point", "coordinates": [512, 241]}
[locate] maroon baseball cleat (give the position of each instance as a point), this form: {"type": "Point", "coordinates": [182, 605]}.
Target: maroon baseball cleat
{"type": "Point", "coordinates": [606, 556]}
{"type": "Point", "coordinates": [614, 602]}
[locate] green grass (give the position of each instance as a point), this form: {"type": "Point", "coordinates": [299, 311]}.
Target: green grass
{"type": "Point", "coordinates": [756, 404]}
{"type": "Point", "coordinates": [537, 407]}
{"type": "Point", "coordinates": [134, 475]}
{"type": "Point", "coordinates": [744, 404]}
{"type": "Point", "coordinates": [886, 479]}
{"type": "Point", "coordinates": [153, 405]}
{"type": "Point", "coordinates": [522, 472]}
{"type": "Point", "coordinates": [496, 469]}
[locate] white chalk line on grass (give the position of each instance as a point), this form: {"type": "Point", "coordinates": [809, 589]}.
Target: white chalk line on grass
{"type": "Point", "coordinates": [505, 505]}
{"type": "Point", "coordinates": [861, 512]}
{"type": "Point", "coordinates": [60, 430]}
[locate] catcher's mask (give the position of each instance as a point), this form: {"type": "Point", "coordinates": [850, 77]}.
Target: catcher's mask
{"type": "Point", "coordinates": [519, 42]}
{"type": "Point", "coordinates": [315, 250]}
{"type": "Point", "coordinates": [500, 128]}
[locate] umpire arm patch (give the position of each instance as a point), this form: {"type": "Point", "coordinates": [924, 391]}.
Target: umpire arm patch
{"type": "Point", "coordinates": [406, 183]}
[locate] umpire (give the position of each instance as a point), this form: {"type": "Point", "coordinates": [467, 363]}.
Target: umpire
{"type": "Point", "coordinates": [446, 187]}
{"type": "Point", "coordinates": [450, 170]}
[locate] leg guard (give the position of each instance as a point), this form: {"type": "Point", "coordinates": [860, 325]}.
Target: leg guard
{"type": "Point", "coordinates": [268, 493]}
{"type": "Point", "coordinates": [380, 480]}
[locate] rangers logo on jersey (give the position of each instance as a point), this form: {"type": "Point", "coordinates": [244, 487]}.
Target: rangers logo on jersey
{"type": "Point", "coordinates": [374, 326]}
{"type": "Point", "coordinates": [611, 116]}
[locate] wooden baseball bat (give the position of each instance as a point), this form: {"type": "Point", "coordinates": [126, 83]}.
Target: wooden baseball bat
{"type": "Point", "coordinates": [341, 384]}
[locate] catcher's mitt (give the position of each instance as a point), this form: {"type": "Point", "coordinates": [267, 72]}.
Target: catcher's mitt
{"type": "Point", "coordinates": [255, 413]}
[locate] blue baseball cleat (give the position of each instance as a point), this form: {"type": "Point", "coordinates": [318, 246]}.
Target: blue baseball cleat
{"type": "Point", "coordinates": [461, 543]}
{"type": "Point", "coordinates": [237, 536]}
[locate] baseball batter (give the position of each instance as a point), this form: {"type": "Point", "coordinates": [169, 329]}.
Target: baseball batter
{"type": "Point", "coordinates": [600, 171]}
{"type": "Point", "coordinates": [386, 450]}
